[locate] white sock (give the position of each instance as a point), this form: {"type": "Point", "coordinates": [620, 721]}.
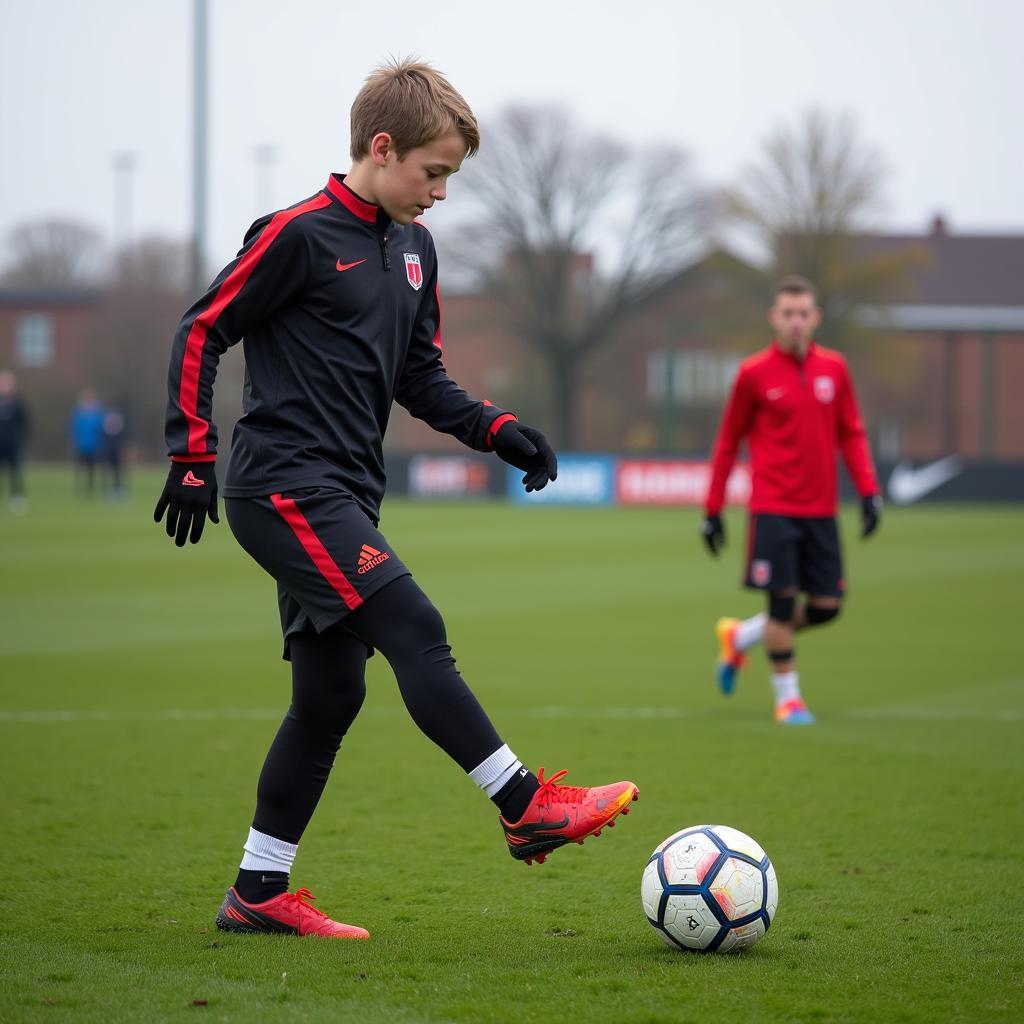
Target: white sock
{"type": "Point", "coordinates": [493, 772]}
{"type": "Point", "coordinates": [265, 853]}
{"type": "Point", "coordinates": [750, 631]}
{"type": "Point", "coordinates": [786, 686]}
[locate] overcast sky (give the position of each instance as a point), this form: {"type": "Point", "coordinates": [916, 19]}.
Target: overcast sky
{"type": "Point", "coordinates": [935, 86]}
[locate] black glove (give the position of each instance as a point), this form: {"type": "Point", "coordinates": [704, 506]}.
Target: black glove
{"type": "Point", "coordinates": [527, 449]}
{"type": "Point", "coordinates": [190, 494]}
{"type": "Point", "coordinates": [712, 530]}
{"type": "Point", "coordinates": [870, 514]}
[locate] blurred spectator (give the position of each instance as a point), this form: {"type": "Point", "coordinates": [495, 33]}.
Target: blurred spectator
{"type": "Point", "coordinates": [113, 449]}
{"type": "Point", "coordinates": [13, 431]}
{"type": "Point", "coordinates": [87, 438]}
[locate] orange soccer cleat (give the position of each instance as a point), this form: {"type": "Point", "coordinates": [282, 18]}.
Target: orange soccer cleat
{"type": "Point", "coordinates": [287, 914]}
{"type": "Point", "coordinates": [730, 661]}
{"type": "Point", "coordinates": [564, 814]}
{"type": "Point", "coordinates": [793, 712]}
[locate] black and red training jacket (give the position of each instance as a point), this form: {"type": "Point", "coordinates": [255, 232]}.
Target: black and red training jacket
{"type": "Point", "coordinates": [339, 311]}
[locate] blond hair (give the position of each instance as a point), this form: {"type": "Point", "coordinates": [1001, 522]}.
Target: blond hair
{"type": "Point", "coordinates": [415, 104]}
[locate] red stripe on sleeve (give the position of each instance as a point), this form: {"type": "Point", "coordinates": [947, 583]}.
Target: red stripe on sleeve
{"type": "Point", "coordinates": [437, 333]}
{"type": "Point", "coordinates": [313, 547]}
{"type": "Point", "coordinates": [188, 393]}
{"type": "Point", "coordinates": [497, 424]}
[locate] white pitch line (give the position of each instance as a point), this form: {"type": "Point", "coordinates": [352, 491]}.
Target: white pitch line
{"type": "Point", "coordinates": [145, 715]}
{"type": "Point", "coordinates": [936, 714]}
{"type": "Point", "coordinates": [613, 713]}
{"type": "Point", "coordinates": [263, 714]}
{"type": "Point", "coordinates": [907, 714]}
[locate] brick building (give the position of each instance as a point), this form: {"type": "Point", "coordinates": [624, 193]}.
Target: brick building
{"type": "Point", "coordinates": [937, 374]}
{"type": "Point", "coordinates": [964, 330]}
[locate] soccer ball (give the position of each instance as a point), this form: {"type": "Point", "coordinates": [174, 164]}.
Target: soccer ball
{"type": "Point", "coordinates": [710, 888]}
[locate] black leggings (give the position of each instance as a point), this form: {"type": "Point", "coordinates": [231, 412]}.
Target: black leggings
{"type": "Point", "coordinates": [11, 461]}
{"type": "Point", "coordinates": [328, 688]}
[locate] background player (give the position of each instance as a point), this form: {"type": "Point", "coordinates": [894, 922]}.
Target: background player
{"type": "Point", "coordinates": [795, 404]}
{"type": "Point", "coordinates": [14, 426]}
{"type": "Point", "coordinates": [336, 298]}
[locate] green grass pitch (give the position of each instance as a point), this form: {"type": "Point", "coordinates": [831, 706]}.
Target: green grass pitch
{"type": "Point", "coordinates": [141, 686]}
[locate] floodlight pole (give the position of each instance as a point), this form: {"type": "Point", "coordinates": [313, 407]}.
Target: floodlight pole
{"type": "Point", "coordinates": [264, 156]}
{"type": "Point", "coordinates": [199, 126]}
{"type": "Point", "coordinates": [124, 167]}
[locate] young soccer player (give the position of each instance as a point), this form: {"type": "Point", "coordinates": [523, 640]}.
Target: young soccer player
{"type": "Point", "coordinates": [794, 402]}
{"type": "Point", "coordinates": [336, 299]}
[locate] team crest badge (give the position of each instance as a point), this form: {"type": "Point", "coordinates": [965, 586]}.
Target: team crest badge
{"type": "Point", "coordinates": [760, 572]}
{"type": "Point", "coordinates": [824, 389]}
{"type": "Point", "coordinates": [413, 270]}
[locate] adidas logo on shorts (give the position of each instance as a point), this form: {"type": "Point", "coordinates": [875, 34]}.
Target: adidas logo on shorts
{"type": "Point", "coordinates": [369, 558]}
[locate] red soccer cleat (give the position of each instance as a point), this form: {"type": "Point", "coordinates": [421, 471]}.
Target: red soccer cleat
{"type": "Point", "coordinates": [564, 814]}
{"type": "Point", "coordinates": [287, 914]}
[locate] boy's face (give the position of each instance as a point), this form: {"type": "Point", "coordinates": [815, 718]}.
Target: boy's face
{"type": "Point", "coordinates": [407, 187]}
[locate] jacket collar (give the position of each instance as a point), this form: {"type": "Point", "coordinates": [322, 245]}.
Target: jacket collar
{"type": "Point", "coordinates": [791, 356]}
{"type": "Point", "coordinates": [371, 213]}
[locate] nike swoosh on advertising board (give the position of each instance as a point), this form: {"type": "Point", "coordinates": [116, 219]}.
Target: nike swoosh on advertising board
{"type": "Point", "coordinates": [907, 485]}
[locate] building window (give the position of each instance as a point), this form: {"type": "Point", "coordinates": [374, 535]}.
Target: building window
{"type": "Point", "coordinates": [33, 342]}
{"type": "Point", "coordinates": [697, 375]}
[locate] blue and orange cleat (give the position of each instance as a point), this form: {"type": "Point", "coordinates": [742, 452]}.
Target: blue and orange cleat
{"type": "Point", "coordinates": [287, 914]}
{"type": "Point", "coordinates": [793, 712]}
{"type": "Point", "coordinates": [730, 661]}
{"type": "Point", "coordinates": [565, 814]}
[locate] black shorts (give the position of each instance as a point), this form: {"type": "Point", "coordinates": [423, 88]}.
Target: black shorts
{"type": "Point", "coordinates": [794, 551]}
{"type": "Point", "coordinates": [326, 554]}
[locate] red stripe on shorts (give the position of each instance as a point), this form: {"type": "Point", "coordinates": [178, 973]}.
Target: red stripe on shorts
{"type": "Point", "coordinates": [751, 531]}
{"type": "Point", "coordinates": [317, 552]}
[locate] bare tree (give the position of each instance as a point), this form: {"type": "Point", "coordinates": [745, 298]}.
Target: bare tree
{"type": "Point", "coordinates": [130, 347]}
{"type": "Point", "coordinates": [808, 200]}
{"type": "Point", "coordinates": [53, 253]}
{"type": "Point", "coordinates": [550, 196]}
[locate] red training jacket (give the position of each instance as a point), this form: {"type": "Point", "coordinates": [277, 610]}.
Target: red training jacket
{"type": "Point", "coordinates": [794, 414]}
